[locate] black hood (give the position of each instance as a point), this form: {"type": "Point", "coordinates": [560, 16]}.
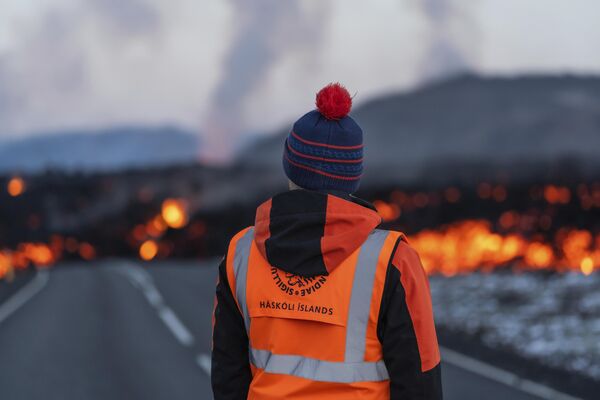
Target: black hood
{"type": "Point", "coordinates": [310, 233]}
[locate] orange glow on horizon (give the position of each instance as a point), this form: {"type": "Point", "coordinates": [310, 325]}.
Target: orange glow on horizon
{"type": "Point", "coordinates": [557, 194]}
{"type": "Point", "coordinates": [15, 186]}
{"type": "Point", "coordinates": [148, 250]}
{"type": "Point", "coordinates": [87, 251]}
{"type": "Point", "coordinates": [539, 255]}
{"type": "Point", "coordinates": [39, 254]}
{"type": "Point", "coordinates": [387, 211]}
{"type": "Point", "coordinates": [174, 213]}
{"type": "Point", "coordinates": [587, 265]}
{"type": "Point", "coordinates": [156, 226]}
{"type": "Point", "coordinates": [512, 236]}
{"type": "Point", "coordinates": [5, 265]}
{"type": "Point", "coordinates": [471, 245]}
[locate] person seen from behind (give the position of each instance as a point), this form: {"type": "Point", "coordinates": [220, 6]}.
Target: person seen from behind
{"type": "Point", "coordinates": [315, 301]}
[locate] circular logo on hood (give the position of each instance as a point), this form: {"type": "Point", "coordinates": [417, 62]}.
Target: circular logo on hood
{"type": "Point", "coordinates": [297, 285]}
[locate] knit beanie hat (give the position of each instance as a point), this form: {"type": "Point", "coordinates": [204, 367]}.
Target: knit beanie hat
{"type": "Point", "coordinates": [324, 150]}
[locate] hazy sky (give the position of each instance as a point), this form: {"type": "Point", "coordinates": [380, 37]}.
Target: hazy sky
{"type": "Point", "coordinates": [246, 66]}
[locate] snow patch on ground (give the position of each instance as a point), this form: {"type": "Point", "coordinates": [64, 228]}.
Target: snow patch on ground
{"type": "Point", "coordinates": [553, 319]}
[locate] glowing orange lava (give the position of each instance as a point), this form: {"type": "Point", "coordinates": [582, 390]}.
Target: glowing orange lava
{"type": "Point", "coordinates": [15, 186]}
{"type": "Point", "coordinates": [471, 245]}
{"type": "Point", "coordinates": [174, 213]}
{"type": "Point", "coordinates": [387, 211]}
{"type": "Point", "coordinates": [148, 250]}
{"type": "Point", "coordinates": [5, 265]}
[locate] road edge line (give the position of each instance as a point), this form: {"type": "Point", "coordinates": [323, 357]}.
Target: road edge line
{"type": "Point", "coordinates": [176, 326]}
{"type": "Point", "coordinates": [204, 362]}
{"type": "Point", "coordinates": [23, 295]}
{"type": "Point", "coordinates": [142, 280]}
{"type": "Point", "coordinates": [501, 376]}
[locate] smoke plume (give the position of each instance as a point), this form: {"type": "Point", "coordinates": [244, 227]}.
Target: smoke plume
{"type": "Point", "coordinates": [266, 32]}
{"type": "Point", "coordinates": [451, 48]}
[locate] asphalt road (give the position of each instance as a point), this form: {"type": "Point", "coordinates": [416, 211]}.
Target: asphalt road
{"type": "Point", "coordinates": [116, 330]}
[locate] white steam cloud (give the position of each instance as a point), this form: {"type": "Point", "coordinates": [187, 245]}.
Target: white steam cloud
{"type": "Point", "coordinates": [265, 32]}
{"type": "Point", "coordinates": [451, 46]}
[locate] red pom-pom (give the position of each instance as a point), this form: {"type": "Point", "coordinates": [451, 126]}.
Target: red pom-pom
{"type": "Point", "coordinates": [334, 101]}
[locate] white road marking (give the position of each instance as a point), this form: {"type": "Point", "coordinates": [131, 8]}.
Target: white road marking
{"type": "Point", "coordinates": [17, 300]}
{"type": "Point", "coordinates": [204, 362]}
{"type": "Point", "coordinates": [176, 326]}
{"type": "Point", "coordinates": [499, 375]}
{"type": "Point", "coordinates": [142, 280]}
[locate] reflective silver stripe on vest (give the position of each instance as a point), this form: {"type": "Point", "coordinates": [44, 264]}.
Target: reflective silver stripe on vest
{"type": "Point", "coordinates": [354, 368]}
{"type": "Point", "coordinates": [240, 271]}
{"type": "Point", "coordinates": [318, 370]}
{"type": "Point", "coordinates": [360, 301]}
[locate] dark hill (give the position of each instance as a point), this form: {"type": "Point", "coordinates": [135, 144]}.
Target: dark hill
{"type": "Point", "coordinates": [473, 128]}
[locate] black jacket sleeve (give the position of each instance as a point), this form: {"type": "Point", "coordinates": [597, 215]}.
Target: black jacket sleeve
{"type": "Point", "coordinates": [230, 370]}
{"type": "Point", "coordinates": [400, 349]}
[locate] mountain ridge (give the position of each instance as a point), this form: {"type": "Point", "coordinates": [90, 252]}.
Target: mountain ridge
{"type": "Point", "coordinates": [112, 148]}
{"type": "Point", "coordinates": [502, 122]}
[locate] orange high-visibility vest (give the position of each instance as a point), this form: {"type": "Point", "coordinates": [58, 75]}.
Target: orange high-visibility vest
{"type": "Point", "coordinates": [313, 337]}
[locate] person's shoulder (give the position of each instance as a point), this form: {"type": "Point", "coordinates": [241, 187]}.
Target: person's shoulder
{"type": "Point", "coordinates": [230, 254]}
{"type": "Point", "coordinates": [235, 238]}
{"type": "Point", "coordinates": [240, 233]}
{"type": "Point", "coordinates": [407, 261]}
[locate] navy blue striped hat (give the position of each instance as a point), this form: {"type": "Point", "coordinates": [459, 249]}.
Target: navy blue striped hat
{"type": "Point", "coordinates": [324, 150]}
